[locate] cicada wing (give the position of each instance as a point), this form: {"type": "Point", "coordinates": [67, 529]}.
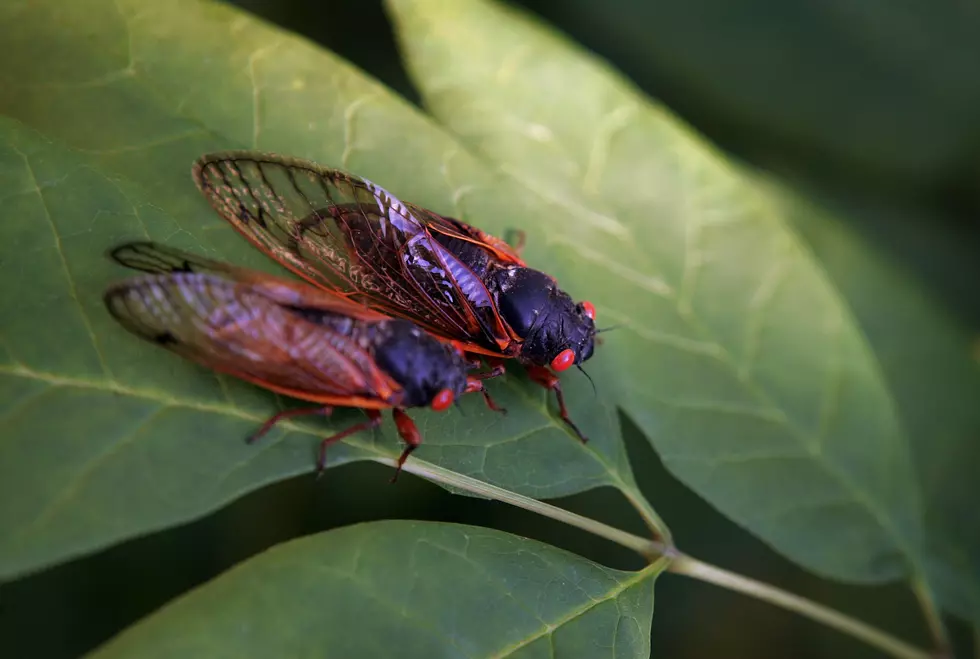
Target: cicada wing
{"type": "Point", "coordinates": [495, 248]}
{"type": "Point", "coordinates": [233, 328]}
{"type": "Point", "coordinates": [352, 237]}
{"type": "Point", "coordinates": [157, 258]}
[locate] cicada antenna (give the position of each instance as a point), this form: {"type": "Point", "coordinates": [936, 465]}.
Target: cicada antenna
{"type": "Point", "coordinates": [594, 391]}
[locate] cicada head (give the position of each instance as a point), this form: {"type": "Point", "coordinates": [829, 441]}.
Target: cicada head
{"type": "Point", "coordinates": [430, 372]}
{"type": "Point", "coordinates": [557, 331]}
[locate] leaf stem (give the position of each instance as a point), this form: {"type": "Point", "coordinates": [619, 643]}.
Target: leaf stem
{"type": "Point", "coordinates": [691, 567]}
{"type": "Point", "coordinates": [660, 531]}
{"type": "Point", "coordinates": [649, 549]}
{"type": "Point", "coordinates": [934, 618]}
{"type": "Point", "coordinates": [679, 563]}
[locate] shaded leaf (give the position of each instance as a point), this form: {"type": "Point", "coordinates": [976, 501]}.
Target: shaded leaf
{"type": "Point", "coordinates": [925, 354]}
{"type": "Point", "coordinates": [410, 589]}
{"type": "Point", "coordinates": [740, 361]}
{"type": "Point", "coordinates": [104, 437]}
{"type": "Point", "coordinates": [879, 89]}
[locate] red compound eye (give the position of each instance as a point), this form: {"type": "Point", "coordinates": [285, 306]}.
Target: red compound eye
{"type": "Point", "coordinates": [564, 360]}
{"type": "Point", "coordinates": [443, 400]}
{"type": "Point", "coordinates": [589, 310]}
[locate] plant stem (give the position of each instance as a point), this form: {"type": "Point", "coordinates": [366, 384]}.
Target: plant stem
{"type": "Point", "coordinates": [658, 553]}
{"type": "Point", "coordinates": [885, 642]}
{"type": "Point", "coordinates": [934, 618]}
{"type": "Point", "coordinates": [660, 531]}
{"type": "Point", "coordinates": [649, 549]}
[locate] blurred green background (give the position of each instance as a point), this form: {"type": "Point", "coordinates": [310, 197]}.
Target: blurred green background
{"type": "Point", "coordinates": [870, 106]}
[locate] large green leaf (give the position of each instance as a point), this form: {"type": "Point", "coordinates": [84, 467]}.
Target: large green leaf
{"type": "Point", "coordinates": [410, 589]}
{"type": "Point", "coordinates": [925, 353]}
{"type": "Point", "coordinates": [739, 360]}
{"type": "Point", "coordinates": [104, 437]}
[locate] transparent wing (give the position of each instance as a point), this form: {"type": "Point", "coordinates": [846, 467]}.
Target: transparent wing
{"type": "Point", "coordinates": [231, 327]}
{"type": "Point", "coordinates": [352, 237]}
{"type": "Point", "coordinates": [496, 249]}
{"type": "Point", "coordinates": [156, 258]}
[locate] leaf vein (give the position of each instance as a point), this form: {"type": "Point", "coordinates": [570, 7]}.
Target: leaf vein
{"type": "Point", "coordinates": [614, 593]}
{"type": "Point", "coordinates": [69, 489]}
{"type": "Point", "coordinates": [609, 125]}
{"type": "Point", "coordinates": [257, 91]}
{"type": "Point", "coordinates": [493, 582]}
{"type": "Point", "coordinates": [350, 116]}
{"type": "Point", "coordinates": [64, 264]}
{"type": "Point", "coordinates": [385, 602]}
{"type": "Point", "coordinates": [29, 399]}
{"type": "Point", "coordinates": [759, 307]}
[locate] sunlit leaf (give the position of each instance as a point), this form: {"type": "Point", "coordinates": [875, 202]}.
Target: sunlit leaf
{"type": "Point", "coordinates": [739, 360]}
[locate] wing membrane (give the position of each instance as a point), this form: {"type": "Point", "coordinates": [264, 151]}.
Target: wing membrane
{"type": "Point", "coordinates": [352, 237]}
{"type": "Point", "coordinates": [453, 228]}
{"type": "Point", "coordinates": [156, 258]}
{"type": "Point", "coordinates": [235, 328]}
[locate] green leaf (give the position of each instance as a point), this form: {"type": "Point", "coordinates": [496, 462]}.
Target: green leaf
{"type": "Point", "coordinates": [739, 360]}
{"type": "Point", "coordinates": [410, 589]}
{"type": "Point", "coordinates": [884, 88]}
{"type": "Point", "coordinates": [104, 437]}
{"type": "Point", "coordinates": [925, 353]}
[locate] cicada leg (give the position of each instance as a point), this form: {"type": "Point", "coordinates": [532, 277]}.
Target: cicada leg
{"type": "Point", "coordinates": [325, 410]}
{"type": "Point", "coordinates": [374, 420]}
{"type": "Point", "coordinates": [473, 384]}
{"type": "Point", "coordinates": [409, 433]}
{"type": "Point", "coordinates": [496, 366]}
{"type": "Point", "coordinates": [549, 380]}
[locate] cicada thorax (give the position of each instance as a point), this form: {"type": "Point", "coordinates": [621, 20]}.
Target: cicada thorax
{"type": "Point", "coordinates": [547, 326]}
{"type": "Point", "coordinates": [423, 366]}
{"type": "Point", "coordinates": [542, 318]}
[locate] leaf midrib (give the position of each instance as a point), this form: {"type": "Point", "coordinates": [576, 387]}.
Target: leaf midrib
{"type": "Point", "coordinates": [170, 401]}
{"type": "Point", "coordinates": [651, 570]}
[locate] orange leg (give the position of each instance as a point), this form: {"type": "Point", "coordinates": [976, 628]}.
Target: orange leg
{"type": "Point", "coordinates": [474, 383]}
{"type": "Point", "coordinates": [496, 366]}
{"type": "Point", "coordinates": [549, 380]}
{"type": "Point", "coordinates": [409, 433]}
{"type": "Point", "coordinates": [287, 414]}
{"type": "Point", "coordinates": [374, 420]}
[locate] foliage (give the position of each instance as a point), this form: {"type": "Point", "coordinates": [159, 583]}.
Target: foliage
{"type": "Point", "coordinates": [778, 364]}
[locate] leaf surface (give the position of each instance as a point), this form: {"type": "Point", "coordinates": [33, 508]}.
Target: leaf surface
{"type": "Point", "coordinates": [928, 356]}
{"type": "Point", "coordinates": [410, 589]}
{"type": "Point", "coordinates": [105, 437]}
{"type": "Point", "coordinates": [739, 360]}
{"type": "Point", "coordinates": [761, 78]}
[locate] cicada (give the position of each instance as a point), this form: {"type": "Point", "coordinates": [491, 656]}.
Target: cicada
{"type": "Point", "coordinates": [290, 338]}
{"type": "Point", "coordinates": [353, 238]}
